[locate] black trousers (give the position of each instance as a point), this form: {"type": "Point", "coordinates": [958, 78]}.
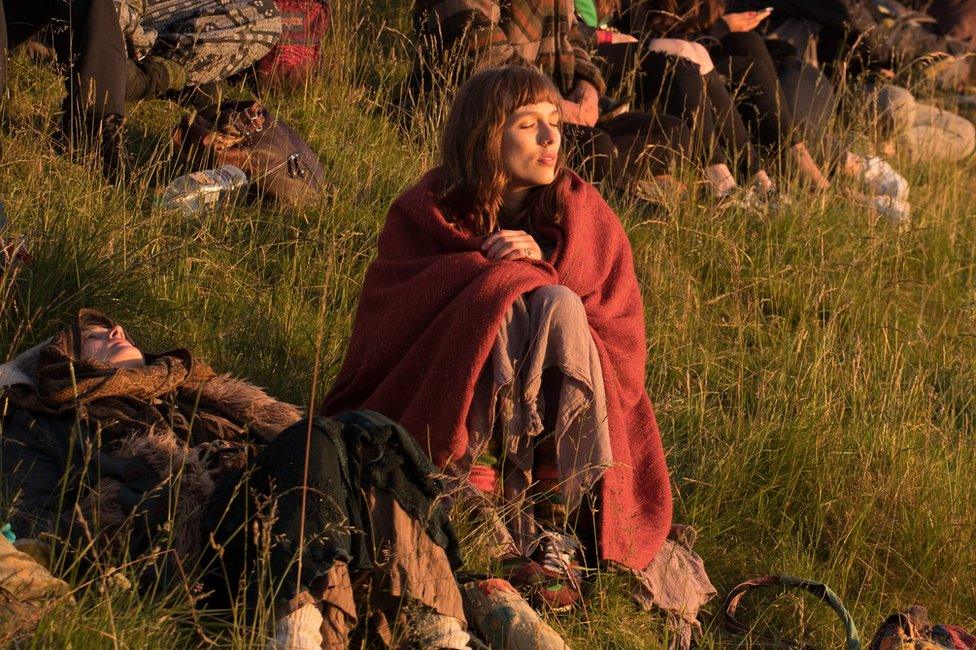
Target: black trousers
{"type": "Point", "coordinates": [627, 148]}
{"type": "Point", "coordinates": [737, 105]}
{"type": "Point", "coordinates": [750, 74]}
{"type": "Point", "coordinates": [89, 44]}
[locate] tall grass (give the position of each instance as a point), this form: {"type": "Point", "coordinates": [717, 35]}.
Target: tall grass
{"type": "Point", "coordinates": [812, 370]}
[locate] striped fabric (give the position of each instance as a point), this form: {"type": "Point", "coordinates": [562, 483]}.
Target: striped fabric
{"type": "Point", "coordinates": [543, 33]}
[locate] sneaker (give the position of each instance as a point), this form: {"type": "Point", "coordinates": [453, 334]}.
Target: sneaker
{"type": "Point", "coordinates": [897, 212]}
{"type": "Point", "coordinates": [552, 577]}
{"type": "Point", "coordinates": [882, 180]}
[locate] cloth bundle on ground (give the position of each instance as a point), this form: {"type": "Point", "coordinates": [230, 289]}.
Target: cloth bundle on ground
{"type": "Point", "coordinates": [423, 368]}
{"type": "Point", "coordinates": [910, 629]}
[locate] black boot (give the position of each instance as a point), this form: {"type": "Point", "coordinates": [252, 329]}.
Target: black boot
{"type": "Point", "coordinates": [117, 163]}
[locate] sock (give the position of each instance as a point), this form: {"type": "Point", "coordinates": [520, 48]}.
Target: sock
{"type": "Point", "coordinates": [431, 629]}
{"type": "Point", "coordinates": [299, 630]}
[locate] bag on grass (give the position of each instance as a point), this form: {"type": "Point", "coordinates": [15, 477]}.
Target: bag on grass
{"type": "Point", "coordinates": [905, 630]}
{"type": "Point", "coordinates": [279, 164]}
{"type": "Point", "coordinates": [910, 630]}
{"type": "Point", "coordinates": [303, 26]}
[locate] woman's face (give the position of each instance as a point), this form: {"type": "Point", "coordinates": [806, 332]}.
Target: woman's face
{"type": "Point", "coordinates": [110, 346]}
{"type": "Point", "coordinates": [530, 145]}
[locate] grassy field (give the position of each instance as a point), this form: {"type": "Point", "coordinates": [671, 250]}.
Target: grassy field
{"type": "Point", "coordinates": [812, 370]}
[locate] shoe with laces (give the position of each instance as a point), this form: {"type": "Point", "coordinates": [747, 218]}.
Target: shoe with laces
{"type": "Point", "coordinates": [552, 577]}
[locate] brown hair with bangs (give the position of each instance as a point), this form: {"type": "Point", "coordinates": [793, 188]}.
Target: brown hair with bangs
{"type": "Point", "coordinates": [471, 147]}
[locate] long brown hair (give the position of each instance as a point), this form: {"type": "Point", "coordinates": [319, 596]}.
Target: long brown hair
{"type": "Point", "coordinates": [471, 146]}
{"type": "Point", "coordinates": [679, 18]}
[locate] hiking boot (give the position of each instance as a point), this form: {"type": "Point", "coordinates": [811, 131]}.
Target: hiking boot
{"type": "Point", "coordinates": [78, 137]}
{"type": "Point", "coordinates": [552, 576]}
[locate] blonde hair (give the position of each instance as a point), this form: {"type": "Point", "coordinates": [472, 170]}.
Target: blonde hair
{"type": "Point", "coordinates": [471, 146]}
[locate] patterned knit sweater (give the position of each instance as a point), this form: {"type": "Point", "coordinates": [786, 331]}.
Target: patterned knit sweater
{"type": "Point", "coordinates": [542, 33]}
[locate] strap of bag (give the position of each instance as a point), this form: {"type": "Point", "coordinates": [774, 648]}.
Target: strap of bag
{"type": "Point", "coordinates": [820, 590]}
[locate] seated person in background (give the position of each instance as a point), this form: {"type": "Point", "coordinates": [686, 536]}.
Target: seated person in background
{"type": "Point", "coordinates": [717, 74]}
{"type": "Point", "coordinates": [847, 39]}
{"type": "Point", "coordinates": [775, 93]}
{"type": "Point", "coordinates": [175, 44]}
{"type": "Point", "coordinates": [458, 36]}
{"type": "Point", "coordinates": [87, 40]}
{"type": "Point", "coordinates": [120, 452]}
{"type": "Point", "coordinates": [515, 351]}
{"type": "Point", "coordinates": [851, 37]}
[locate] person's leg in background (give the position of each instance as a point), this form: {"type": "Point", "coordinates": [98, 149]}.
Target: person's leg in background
{"type": "Point", "coordinates": [675, 86]}
{"type": "Point", "coordinates": [200, 44]}
{"type": "Point", "coordinates": [589, 151]}
{"type": "Point", "coordinates": [751, 76]}
{"type": "Point", "coordinates": [733, 134]}
{"type": "Point", "coordinates": [649, 150]}
{"type": "Point", "coordinates": [87, 39]}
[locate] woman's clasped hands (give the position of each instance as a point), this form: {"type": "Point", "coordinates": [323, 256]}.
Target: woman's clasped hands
{"type": "Point", "coordinates": [511, 245]}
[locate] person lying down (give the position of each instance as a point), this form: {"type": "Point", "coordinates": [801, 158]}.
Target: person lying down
{"type": "Point", "coordinates": [109, 451]}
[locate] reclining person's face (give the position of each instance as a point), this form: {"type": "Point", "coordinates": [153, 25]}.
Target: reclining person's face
{"type": "Point", "coordinates": [109, 345]}
{"type": "Point", "coordinates": [530, 145]}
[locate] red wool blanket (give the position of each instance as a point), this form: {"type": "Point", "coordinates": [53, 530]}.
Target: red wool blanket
{"type": "Point", "coordinates": [431, 307]}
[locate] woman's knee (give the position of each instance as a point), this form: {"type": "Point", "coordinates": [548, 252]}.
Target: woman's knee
{"type": "Point", "coordinates": [895, 107]}
{"type": "Point", "coordinates": [560, 301]}
{"type": "Point", "coordinates": [590, 149]}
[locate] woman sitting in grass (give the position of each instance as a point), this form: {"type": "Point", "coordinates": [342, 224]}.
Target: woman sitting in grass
{"type": "Point", "coordinates": [503, 325]}
{"type": "Point", "coordinates": [117, 454]}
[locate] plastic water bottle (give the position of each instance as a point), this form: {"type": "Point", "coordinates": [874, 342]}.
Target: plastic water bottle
{"type": "Point", "coordinates": [203, 190]}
